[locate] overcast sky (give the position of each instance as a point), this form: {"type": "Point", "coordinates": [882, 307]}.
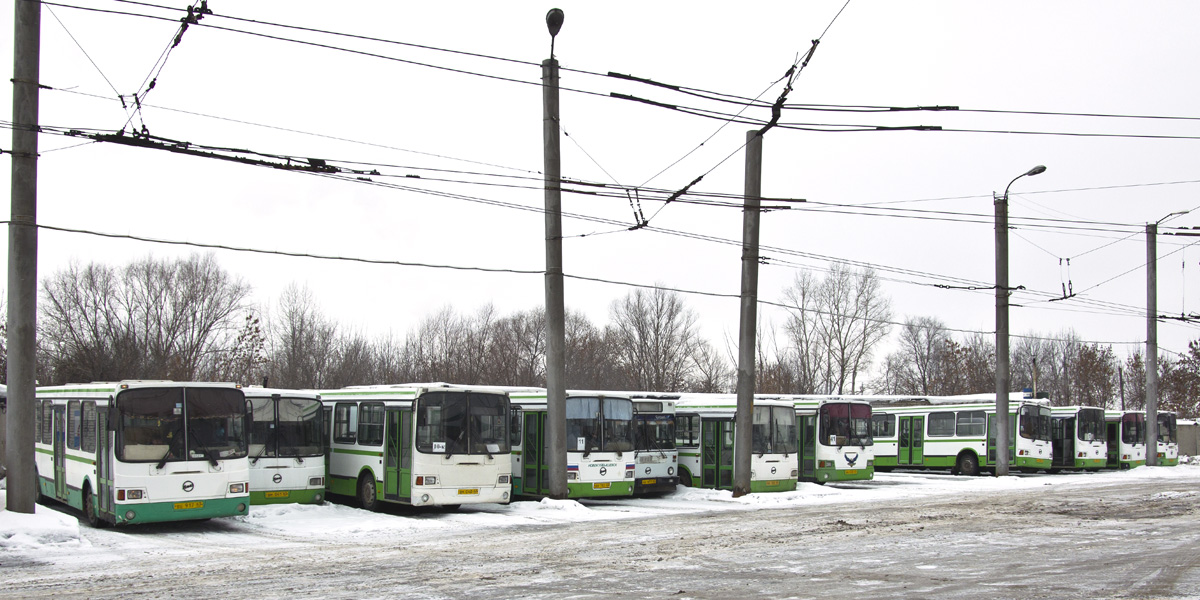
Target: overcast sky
{"type": "Point", "coordinates": [914, 204]}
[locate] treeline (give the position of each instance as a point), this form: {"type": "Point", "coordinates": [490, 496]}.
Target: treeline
{"type": "Point", "coordinates": [189, 319]}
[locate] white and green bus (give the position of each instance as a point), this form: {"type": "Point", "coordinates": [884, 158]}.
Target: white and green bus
{"type": "Point", "coordinates": [655, 454]}
{"type": "Point", "coordinates": [1078, 438]}
{"type": "Point", "coordinates": [419, 444]}
{"type": "Point", "coordinates": [144, 451]}
{"type": "Point", "coordinates": [1126, 438]}
{"type": "Point", "coordinates": [835, 438]}
{"type": "Point", "coordinates": [958, 433]}
{"type": "Point", "coordinates": [599, 443]}
{"type": "Point", "coordinates": [704, 432]}
{"type": "Point", "coordinates": [1168, 439]}
{"type": "Point", "coordinates": [287, 446]}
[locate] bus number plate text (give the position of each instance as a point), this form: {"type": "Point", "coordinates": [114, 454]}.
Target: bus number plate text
{"type": "Point", "coordinates": [277, 494]}
{"type": "Point", "coordinates": [468, 491]}
{"type": "Point", "coordinates": [649, 481]}
{"type": "Point", "coordinates": [772, 483]}
{"type": "Point", "coordinates": [601, 486]}
{"type": "Point", "coordinates": [188, 505]}
{"type": "Point", "coordinates": [852, 471]}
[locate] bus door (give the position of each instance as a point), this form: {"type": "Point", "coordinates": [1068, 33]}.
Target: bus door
{"type": "Point", "coordinates": [535, 480]}
{"type": "Point", "coordinates": [726, 455]}
{"type": "Point", "coordinates": [716, 453]}
{"type": "Point", "coordinates": [910, 446]}
{"type": "Point", "coordinates": [807, 429]}
{"type": "Point", "coordinates": [103, 464]}
{"type": "Point", "coordinates": [1114, 445]}
{"type": "Point", "coordinates": [60, 452]}
{"type": "Point", "coordinates": [327, 438]}
{"type": "Point", "coordinates": [1062, 442]}
{"type": "Point", "coordinates": [397, 446]}
{"type": "Point", "coordinates": [991, 438]}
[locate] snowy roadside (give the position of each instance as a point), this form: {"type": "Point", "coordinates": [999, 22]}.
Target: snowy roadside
{"type": "Point", "coordinates": [50, 531]}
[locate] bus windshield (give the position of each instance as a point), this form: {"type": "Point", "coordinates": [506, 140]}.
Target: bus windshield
{"type": "Point", "coordinates": [174, 424]}
{"type": "Point", "coordinates": [285, 427]}
{"type": "Point", "coordinates": [774, 430]}
{"type": "Point", "coordinates": [1133, 428]}
{"type": "Point", "coordinates": [599, 424]}
{"type": "Point", "coordinates": [1090, 424]}
{"type": "Point", "coordinates": [462, 423]}
{"type": "Point", "coordinates": [845, 424]}
{"type": "Point", "coordinates": [655, 432]}
{"type": "Point", "coordinates": [1034, 422]}
{"type": "Point", "coordinates": [1167, 428]}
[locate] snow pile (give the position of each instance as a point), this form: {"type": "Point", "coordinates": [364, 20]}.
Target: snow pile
{"type": "Point", "coordinates": [44, 528]}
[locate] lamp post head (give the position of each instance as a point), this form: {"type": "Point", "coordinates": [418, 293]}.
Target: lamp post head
{"type": "Point", "coordinates": [554, 21]}
{"type": "Point", "coordinates": [1038, 170]}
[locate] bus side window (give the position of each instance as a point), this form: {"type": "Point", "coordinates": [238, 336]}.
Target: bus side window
{"type": "Point", "coordinates": [74, 424]}
{"type": "Point", "coordinates": [89, 427]}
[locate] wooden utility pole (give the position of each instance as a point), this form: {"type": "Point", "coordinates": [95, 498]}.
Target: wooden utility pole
{"type": "Point", "coordinates": [1151, 345]}
{"type": "Point", "coordinates": [22, 260]}
{"type": "Point", "coordinates": [747, 329]}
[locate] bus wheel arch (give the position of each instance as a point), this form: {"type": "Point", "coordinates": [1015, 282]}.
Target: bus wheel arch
{"type": "Point", "coordinates": [685, 477]}
{"type": "Point", "coordinates": [366, 488]}
{"type": "Point", "coordinates": [967, 463]}
{"type": "Point", "coordinates": [90, 513]}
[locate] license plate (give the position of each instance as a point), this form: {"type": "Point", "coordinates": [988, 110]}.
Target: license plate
{"type": "Point", "coordinates": [277, 494]}
{"type": "Point", "coordinates": [649, 481]}
{"type": "Point", "coordinates": [601, 486]}
{"type": "Point", "coordinates": [468, 491]}
{"type": "Point", "coordinates": [188, 505]}
{"type": "Point", "coordinates": [852, 471]}
{"type": "Point", "coordinates": [772, 483]}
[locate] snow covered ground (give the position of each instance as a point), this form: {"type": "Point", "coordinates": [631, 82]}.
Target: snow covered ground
{"type": "Point", "coordinates": [56, 531]}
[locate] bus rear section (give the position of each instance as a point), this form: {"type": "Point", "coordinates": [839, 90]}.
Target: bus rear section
{"type": "Point", "coordinates": [144, 452]}
{"type": "Point", "coordinates": [287, 446]}
{"type": "Point", "coordinates": [1126, 438]}
{"type": "Point", "coordinates": [599, 443]}
{"type": "Point", "coordinates": [1078, 439]}
{"type": "Point", "coordinates": [705, 433]}
{"type": "Point", "coordinates": [656, 457]}
{"type": "Point", "coordinates": [419, 445]}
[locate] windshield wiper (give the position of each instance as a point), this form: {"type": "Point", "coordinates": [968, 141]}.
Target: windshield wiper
{"type": "Point", "coordinates": [208, 453]}
{"type": "Point", "coordinates": [176, 439]}
{"type": "Point", "coordinates": [266, 444]}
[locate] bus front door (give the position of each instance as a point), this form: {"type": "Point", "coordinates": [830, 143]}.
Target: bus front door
{"type": "Point", "coordinates": [910, 443]}
{"type": "Point", "coordinates": [60, 452]}
{"type": "Point", "coordinates": [534, 479]}
{"type": "Point", "coordinates": [807, 429]}
{"type": "Point", "coordinates": [391, 451]}
{"type": "Point", "coordinates": [726, 455]}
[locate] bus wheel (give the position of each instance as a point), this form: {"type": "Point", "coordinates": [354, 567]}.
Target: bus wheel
{"type": "Point", "coordinates": [89, 510]}
{"type": "Point", "coordinates": [967, 464]}
{"type": "Point", "coordinates": [366, 492]}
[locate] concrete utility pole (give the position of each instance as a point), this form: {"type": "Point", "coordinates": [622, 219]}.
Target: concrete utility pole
{"type": "Point", "coordinates": [1002, 367]}
{"type": "Point", "coordinates": [1152, 344]}
{"type": "Point", "coordinates": [22, 260]}
{"type": "Point", "coordinates": [747, 329]}
{"type": "Point", "coordinates": [556, 390]}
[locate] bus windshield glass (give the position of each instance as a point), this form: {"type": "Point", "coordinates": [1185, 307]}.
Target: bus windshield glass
{"type": "Point", "coordinates": [1133, 428]}
{"type": "Point", "coordinates": [1034, 422]}
{"type": "Point", "coordinates": [845, 424]}
{"type": "Point", "coordinates": [1167, 428]}
{"type": "Point", "coordinates": [774, 430]}
{"type": "Point", "coordinates": [599, 424]}
{"type": "Point", "coordinates": [1090, 424]}
{"type": "Point", "coordinates": [299, 428]}
{"type": "Point", "coordinates": [656, 432]}
{"type": "Point", "coordinates": [462, 423]}
{"type": "Point", "coordinates": [166, 425]}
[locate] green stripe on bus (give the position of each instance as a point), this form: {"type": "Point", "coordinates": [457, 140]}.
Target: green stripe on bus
{"type": "Point", "coordinates": [86, 461]}
{"type": "Point", "coordinates": [360, 452]}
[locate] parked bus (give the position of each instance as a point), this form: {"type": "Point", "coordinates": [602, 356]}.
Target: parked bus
{"type": "Point", "coordinates": [1077, 436]}
{"type": "Point", "coordinates": [600, 447]}
{"type": "Point", "coordinates": [1168, 439]}
{"type": "Point", "coordinates": [835, 438]}
{"type": "Point", "coordinates": [419, 444]}
{"type": "Point", "coordinates": [288, 436]}
{"type": "Point", "coordinates": [656, 457]}
{"type": "Point", "coordinates": [705, 431]}
{"type": "Point", "coordinates": [1126, 438]}
{"type": "Point", "coordinates": [958, 433]}
{"type": "Point", "coordinates": [144, 451]}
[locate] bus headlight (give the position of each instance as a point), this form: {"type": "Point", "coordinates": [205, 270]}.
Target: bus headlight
{"type": "Point", "coordinates": [316, 481]}
{"type": "Point", "coordinates": [871, 463]}
{"type": "Point", "coordinates": [572, 475]}
{"type": "Point", "coordinates": [426, 480]}
{"type": "Point", "coordinates": [130, 494]}
{"type": "Point", "coordinates": [628, 473]}
{"type": "Point", "coordinates": [795, 473]}
{"type": "Point", "coordinates": [503, 479]}
{"type": "Point", "coordinates": [670, 470]}
{"type": "Point", "coordinates": [424, 498]}
{"type": "Point", "coordinates": [129, 515]}
{"type": "Point", "coordinates": [237, 488]}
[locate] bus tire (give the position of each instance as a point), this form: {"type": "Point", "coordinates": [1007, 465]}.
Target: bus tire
{"type": "Point", "coordinates": [685, 477]}
{"type": "Point", "coordinates": [967, 464]}
{"type": "Point", "coordinates": [89, 509]}
{"type": "Point", "coordinates": [366, 492]}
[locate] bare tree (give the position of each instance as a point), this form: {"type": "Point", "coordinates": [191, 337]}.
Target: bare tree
{"type": "Point", "coordinates": [303, 341]}
{"type": "Point", "coordinates": [654, 336]}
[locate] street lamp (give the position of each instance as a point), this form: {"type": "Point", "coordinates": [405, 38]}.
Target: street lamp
{"type": "Point", "coordinates": [1152, 339]}
{"type": "Point", "coordinates": [1002, 425]}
